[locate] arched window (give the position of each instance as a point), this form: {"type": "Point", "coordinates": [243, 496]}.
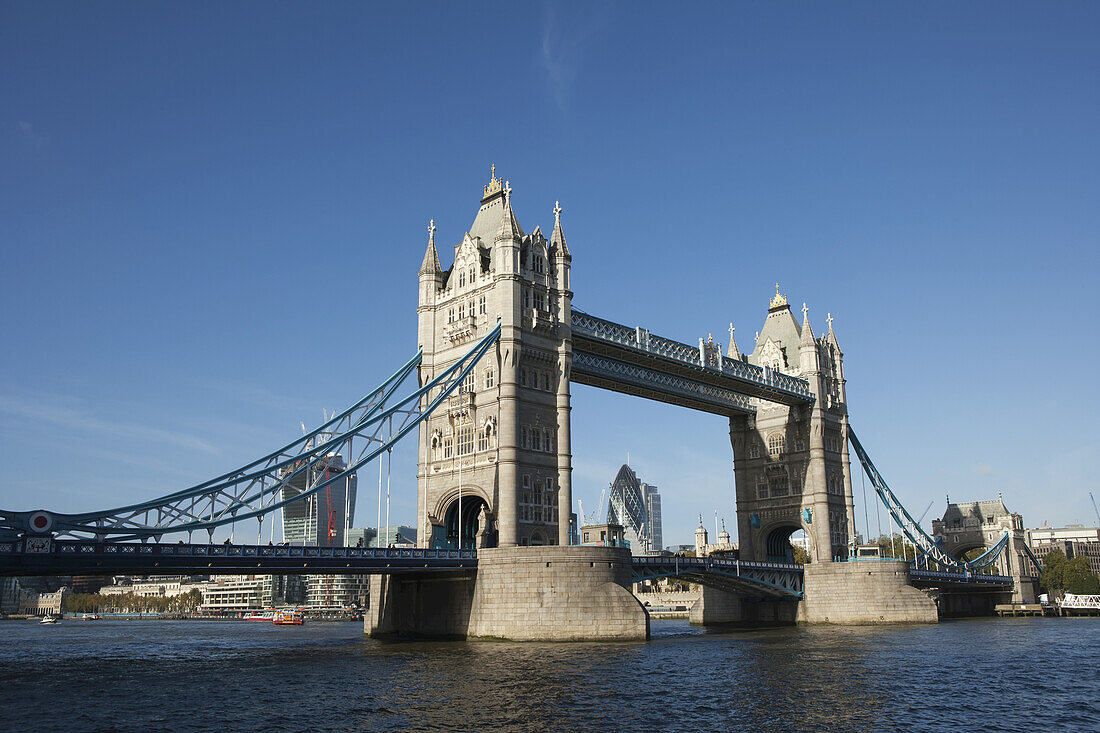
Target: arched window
{"type": "Point", "coordinates": [777, 443]}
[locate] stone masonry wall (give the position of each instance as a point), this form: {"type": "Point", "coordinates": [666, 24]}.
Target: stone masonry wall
{"type": "Point", "coordinates": [556, 594]}
{"type": "Point", "coordinates": [863, 593]}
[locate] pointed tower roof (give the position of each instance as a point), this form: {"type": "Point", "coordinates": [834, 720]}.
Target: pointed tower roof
{"type": "Point", "coordinates": [781, 327]}
{"type": "Point", "coordinates": [431, 265]}
{"type": "Point", "coordinates": [509, 227]}
{"type": "Point", "coordinates": [557, 237]}
{"type": "Point", "coordinates": [486, 224]}
{"type": "Point", "coordinates": [831, 335]}
{"type": "Point", "coordinates": [807, 337]}
{"type": "Point", "coordinates": [733, 353]}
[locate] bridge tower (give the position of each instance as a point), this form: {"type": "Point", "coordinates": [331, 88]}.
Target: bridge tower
{"type": "Point", "coordinates": [791, 463]}
{"type": "Point", "coordinates": [979, 525]}
{"type": "Point", "coordinates": [504, 436]}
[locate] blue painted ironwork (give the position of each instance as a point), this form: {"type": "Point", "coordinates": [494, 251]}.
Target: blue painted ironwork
{"type": "Point", "coordinates": [1035, 560]}
{"type": "Point", "coordinates": [363, 432]}
{"type": "Point", "coordinates": [941, 578]}
{"type": "Point", "coordinates": [76, 557]}
{"type": "Point", "coordinates": [602, 371]}
{"type": "Point", "coordinates": [601, 337]}
{"type": "Point", "coordinates": [767, 579]}
{"type": "Point", "coordinates": [911, 528]}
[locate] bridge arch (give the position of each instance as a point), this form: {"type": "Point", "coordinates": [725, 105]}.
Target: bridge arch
{"type": "Point", "coordinates": [456, 532]}
{"type": "Point", "coordinates": [777, 541]}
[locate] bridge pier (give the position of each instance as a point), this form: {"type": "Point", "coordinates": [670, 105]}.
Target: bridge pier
{"type": "Point", "coordinates": [717, 607]}
{"type": "Point", "coordinates": [863, 593]}
{"type": "Point", "coordinates": [551, 593]}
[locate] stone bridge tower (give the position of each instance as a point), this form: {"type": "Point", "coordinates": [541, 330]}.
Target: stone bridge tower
{"type": "Point", "coordinates": [504, 436]}
{"type": "Point", "coordinates": [979, 525]}
{"type": "Point", "coordinates": [791, 463]}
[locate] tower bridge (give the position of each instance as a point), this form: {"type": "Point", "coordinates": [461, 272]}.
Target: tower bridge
{"type": "Point", "coordinates": [499, 344]}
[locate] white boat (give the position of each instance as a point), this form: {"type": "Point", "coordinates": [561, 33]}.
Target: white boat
{"type": "Point", "coordinates": [49, 620]}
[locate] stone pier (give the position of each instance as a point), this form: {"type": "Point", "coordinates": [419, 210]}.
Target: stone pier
{"type": "Point", "coordinates": [551, 593]}
{"type": "Point", "coordinates": [863, 593]}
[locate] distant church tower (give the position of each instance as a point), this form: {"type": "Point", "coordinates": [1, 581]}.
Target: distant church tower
{"type": "Point", "coordinates": [791, 463]}
{"type": "Point", "coordinates": [506, 432]}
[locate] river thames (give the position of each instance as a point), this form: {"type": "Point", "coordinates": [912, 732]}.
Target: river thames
{"type": "Point", "coordinates": [1028, 675]}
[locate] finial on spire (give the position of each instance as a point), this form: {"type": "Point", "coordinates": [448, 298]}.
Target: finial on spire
{"type": "Point", "coordinates": [805, 311]}
{"type": "Point", "coordinates": [779, 300]}
{"type": "Point", "coordinates": [830, 321]}
{"type": "Point", "coordinates": [557, 213]}
{"type": "Point", "coordinates": [494, 182]}
{"type": "Point", "coordinates": [431, 230]}
{"type": "Point", "coordinates": [507, 190]}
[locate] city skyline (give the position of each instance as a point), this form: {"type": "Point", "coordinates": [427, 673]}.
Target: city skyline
{"type": "Point", "coordinates": [170, 247]}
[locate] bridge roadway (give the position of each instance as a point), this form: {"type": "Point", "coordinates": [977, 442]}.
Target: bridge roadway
{"type": "Point", "coordinates": [76, 557]}
{"type": "Point", "coordinates": [633, 361]}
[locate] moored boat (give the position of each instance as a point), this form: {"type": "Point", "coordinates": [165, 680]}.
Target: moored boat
{"type": "Point", "coordinates": [287, 617]}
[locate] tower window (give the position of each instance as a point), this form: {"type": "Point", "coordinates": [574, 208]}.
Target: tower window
{"type": "Point", "coordinates": [461, 279]}
{"type": "Point", "coordinates": [754, 448]}
{"type": "Point", "coordinates": [777, 443]}
{"type": "Point", "coordinates": [490, 379]}
{"type": "Point", "coordinates": [481, 305]}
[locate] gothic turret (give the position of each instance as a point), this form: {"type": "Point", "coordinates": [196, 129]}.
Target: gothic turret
{"type": "Point", "coordinates": [701, 539]}
{"type": "Point", "coordinates": [560, 258]}
{"type": "Point", "coordinates": [807, 346]}
{"type": "Point", "coordinates": [431, 272]}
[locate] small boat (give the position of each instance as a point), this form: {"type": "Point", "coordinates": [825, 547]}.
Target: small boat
{"type": "Point", "coordinates": [287, 617]}
{"type": "Point", "coordinates": [260, 616]}
{"type": "Point", "coordinates": [49, 619]}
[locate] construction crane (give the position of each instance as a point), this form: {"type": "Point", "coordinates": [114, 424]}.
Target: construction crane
{"type": "Point", "coordinates": [1094, 508]}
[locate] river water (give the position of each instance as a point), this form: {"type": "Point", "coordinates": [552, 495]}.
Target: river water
{"type": "Point", "coordinates": [1030, 675]}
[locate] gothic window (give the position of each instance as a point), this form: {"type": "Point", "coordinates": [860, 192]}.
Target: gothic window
{"type": "Point", "coordinates": [471, 276]}
{"type": "Point", "coordinates": [447, 447]}
{"type": "Point", "coordinates": [481, 305]}
{"type": "Point", "coordinates": [526, 297]}
{"type": "Point", "coordinates": [536, 439]}
{"type": "Point", "coordinates": [538, 301]}
{"type": "Point", "coordinates": [465, 440]}
{"type": "Point", "coordinates": [799, 443]}
{"type": "Point", "coordinates": [482, 440]}
{"type": "Point", "coordinates": [525, 437]}
{"type": "Point", "coordinates": [549, 441]}
{"type": "Point", "coordinates": [546, 381]}
{"type": "Point", "coordinates": [467, 385]}
{"type": "Point", "coordinates": [462, 279]}
{"type": "Point", "coordinates": [451, 316]}
{"type": "Point", "coordinates": [490, 433]}
{"type": "Point", "coordinates": [527, 485]}
{"type": "Point", "coordinates": [761, 488]}
{"type": "Point", "coordinates": [777, 443]}
{"type": "Point", "coordinates": [461, 310]}
{"type": "Point", "coordinates": [489, 379]}
{"type": "Point", "coordinates": [796, 485]}
{"type": "Point", "coordinates": [523, 377]}
{"type": "Point", "coordinates": [754, 448]}
{"type": "Point", "coordinates": [437, 441]}
{"type": "Point", "coordinates": [778, 485]}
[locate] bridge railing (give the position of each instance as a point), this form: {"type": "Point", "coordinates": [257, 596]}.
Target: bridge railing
{"type": "Point", "coordinates": [718, 562]}
{"type": "Point", "coordinates": [642, 340]}
{"type": "Point", "coordinates": [136, 549]}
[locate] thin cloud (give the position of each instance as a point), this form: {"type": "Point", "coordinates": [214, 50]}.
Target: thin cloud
{"type": "Point", "coordinates": [37, 139]}
{"type": "Point", "coordinates": [75, 419]}
{"type": "Point", "coordinates": [982, 469]}
{"type": "Point", "coordinates": [560, 52]}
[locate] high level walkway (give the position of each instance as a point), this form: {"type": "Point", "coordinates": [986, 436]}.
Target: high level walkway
{"type": "Point", "coordinates": [633, 361]}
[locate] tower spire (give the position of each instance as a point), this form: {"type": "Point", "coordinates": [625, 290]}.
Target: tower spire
{"type": "Point", "coordinates": [733, 353]}
{"type": "Point", "coordinates": [557, 237]}
{"type": "Point", "coordinates": [431, 265]}
{"type": "Point", "coordinates": [509, 227]}
{"type": "Point", "coordinates": [807, 332]}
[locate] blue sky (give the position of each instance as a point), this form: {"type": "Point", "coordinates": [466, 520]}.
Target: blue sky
{"type": "Point", "coordinates": [211, 218]}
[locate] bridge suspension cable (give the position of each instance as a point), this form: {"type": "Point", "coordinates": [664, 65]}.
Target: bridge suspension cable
{"type": "Point", "coordinates": [367, 429]}
{"type": "Point", "coordinates": [911, 528]}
